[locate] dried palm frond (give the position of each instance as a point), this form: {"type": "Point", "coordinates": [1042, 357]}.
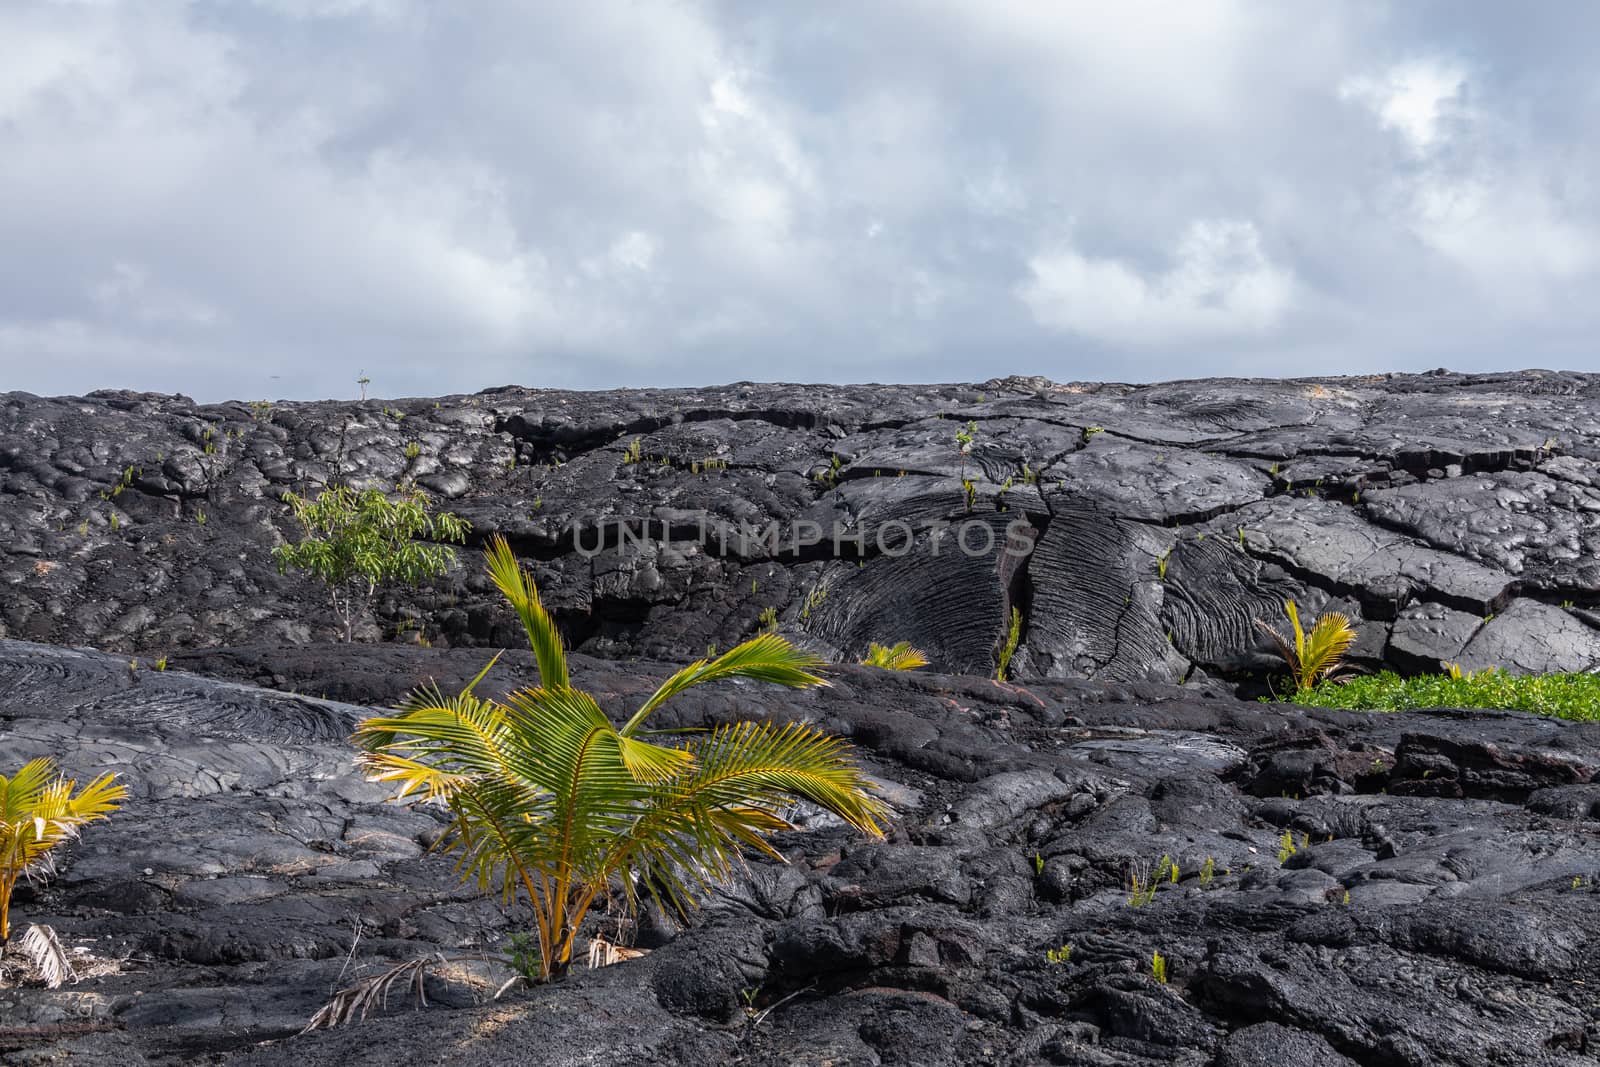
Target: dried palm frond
{"type": "Point", "coordinates": [43, 949]}
{"type": "Point", "coordinates": [603, 953]}
{"type": "Point", "coordinates": [355, 1002]}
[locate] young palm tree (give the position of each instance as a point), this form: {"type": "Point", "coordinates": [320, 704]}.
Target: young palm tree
{"type": "Point", "coordinates": [900, 656]}
{"type": "Point", "coordinates": [38, 811]}
{"type": "Point", "coordinates": [555, 803]}
{"type": "Point", "coordinates": [1313, 656]}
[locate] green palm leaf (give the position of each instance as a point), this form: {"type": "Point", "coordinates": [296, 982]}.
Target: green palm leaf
{"type": "Point", "coordinates": [39, 811]}
{"type": "Point", "coordinates": [768, 658]}
{"type": "Point", "coordinates": [900, 656]}
{"type": "Point", "coordinates": [518, 587]}
{"type": "Point", "coordinates": [1316, 655]}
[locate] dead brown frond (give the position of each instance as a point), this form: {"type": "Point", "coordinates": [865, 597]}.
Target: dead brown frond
{"type": "Point", "coordinates": [603, 953]}
{"type": "Point", "coordinates": [43, 949]}
{"type": "Point", "coordinates": [355, 1002]}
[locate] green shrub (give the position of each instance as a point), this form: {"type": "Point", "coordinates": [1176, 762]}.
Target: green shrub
{"type": "Point", "coordinates": [1564, 696]}
{"type": "Point", "coordinates": [355, 542]}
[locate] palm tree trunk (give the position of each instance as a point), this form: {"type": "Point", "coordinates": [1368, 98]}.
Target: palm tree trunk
{"type": "Point", "coordinates": [8, 882]}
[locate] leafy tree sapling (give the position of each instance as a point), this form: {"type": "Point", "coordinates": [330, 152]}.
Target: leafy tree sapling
{"type": "Point", "coordinates": [357, 541]}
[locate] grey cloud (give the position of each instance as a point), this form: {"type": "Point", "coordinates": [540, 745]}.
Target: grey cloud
{"type": "Point", "coordinates": [261, 199]}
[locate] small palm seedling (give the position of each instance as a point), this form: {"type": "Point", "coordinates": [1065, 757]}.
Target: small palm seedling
{"type": "Point", "coordinates": [1161, 564]}
{"type": "Point", "coordinates": [1158, 967]}
{"type": "Point", "coordinates": [553, 802]}
{"type": "Point", "coordinates": [768, 620]}
{"type": "Point", "coordinates": [969, 490]}
{"type": "Point", "coordinates": [1009, 649]}
{"type": "Point", "coordinates": [1208, 871]}
{"type": "Point", "coordinates": [39, 811]}
{"type": "Point", "coordinates": [1059, 955]}
{"type": "Point", "coordinates": [1314, 656]}
{"type": "Point", "coordinates": [634, 452]}
{"type": "Point", "coordinates": [899, 656]}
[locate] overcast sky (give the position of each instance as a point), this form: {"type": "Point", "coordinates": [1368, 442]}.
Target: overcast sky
{"type": "Point", "coordinates": [266, 198]}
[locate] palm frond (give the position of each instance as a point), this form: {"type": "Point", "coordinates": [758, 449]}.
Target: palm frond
{"type": "Point", "coordinates": [759, 764]}
{"type": "Point", "coordinates": [768, 658]}
{"type": "Point", "coordinates": [43, 949]}
{"type": "Point", "coordinates": [743, 772]}
{"type": "Point", "coordinates": [1330, 638]}
{"type": "Point", "coordinates": [518, 587]}
{"type": "Point", "coordinates": [603, 953]}
{"type": "Point", "coordinates": [900, 656]}
{"type": "Point", "coordinates": [356, 1001]}
{"type": "Point", "coordinates": [1316, 655]}
{"type": "Point", "coordinates": [430, 743]}
{"type": "Point", "coordinates": [38, 811]}
{"type": "Point", "coordinates": [20, 793]}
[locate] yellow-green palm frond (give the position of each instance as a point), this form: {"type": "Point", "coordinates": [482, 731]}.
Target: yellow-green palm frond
{"type": "Point", "coordinates": [768, 658]}
{"type": "Point", "coordinates": [38, 811]}
{"type": "Point", "coordinates": [1315, 655]}
{"type": "Point", "coordinates": [519, 589]}
{"type": "Point", "coordinates": [743, 775]}
{"type": "Point", "coordinates": [434, 743]}
{"type": "Point", "coordinates": [760, 764]}
{"type": "Point", "coordinates": [1326, 645]}
{"type": "Point", "coordinates": [897, 657]}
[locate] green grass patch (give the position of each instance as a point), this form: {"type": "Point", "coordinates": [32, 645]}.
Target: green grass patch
{"type": "Point", "coordinates": [1565, 696]}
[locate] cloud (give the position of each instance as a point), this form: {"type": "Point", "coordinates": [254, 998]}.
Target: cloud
{"type": "Point", "coordinates": [265, 197]}
{"type": "Point", "coordinates": [1511, 222]}
{"type": "Point", "coordinates": [1219, 284]}
{"type": "Point", "coordinates": [129, 291]}
{"type": "Point", "coordinates": [1413, 99]}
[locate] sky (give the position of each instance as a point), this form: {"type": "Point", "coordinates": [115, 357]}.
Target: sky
{"type": "Point", "coordinates": [272, 198]}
